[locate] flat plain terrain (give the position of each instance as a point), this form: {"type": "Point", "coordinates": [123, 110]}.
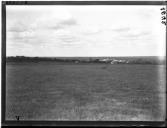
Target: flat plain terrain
{"type": "Point", "coordinates": [62, 91]}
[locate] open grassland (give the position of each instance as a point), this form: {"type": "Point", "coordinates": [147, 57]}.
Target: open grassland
{"type": "Point", "coordinates": [55, 91]}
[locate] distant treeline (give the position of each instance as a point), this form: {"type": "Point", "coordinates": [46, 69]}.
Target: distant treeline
{"type": "Point", "coordinates": [110, 60]}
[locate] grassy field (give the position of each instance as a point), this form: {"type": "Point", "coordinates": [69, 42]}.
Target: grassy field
{"type": "Point", "coordinates": [55, 91]}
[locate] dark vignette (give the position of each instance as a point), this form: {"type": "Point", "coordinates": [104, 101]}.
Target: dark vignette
{"type": "Point", "coordinates": [3, 63]}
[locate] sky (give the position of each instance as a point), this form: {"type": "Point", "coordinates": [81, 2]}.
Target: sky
{"type": "Point", "coordinates": [84, 30]}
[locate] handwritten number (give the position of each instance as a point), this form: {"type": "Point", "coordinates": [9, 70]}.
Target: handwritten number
{"type": "Point", "coordinates": [163, 18]}
{"type": "Point", "coordinates": [163, 13]}
{"type": "Point", "coordinates": [162, 8]}
{"type": "Point", "coordinates": [163, 22]}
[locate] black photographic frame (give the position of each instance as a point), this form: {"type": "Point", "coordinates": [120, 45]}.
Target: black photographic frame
{"type": "Point", "coordinates": [63, 123]}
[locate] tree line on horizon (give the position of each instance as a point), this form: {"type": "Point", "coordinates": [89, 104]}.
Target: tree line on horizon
{"type": "Point", "coordinates": [116, 60]}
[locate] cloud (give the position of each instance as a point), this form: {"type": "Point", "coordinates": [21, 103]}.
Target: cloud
{"type": "Point", "coordinates": [121, 29]}
{"type": "Point", "coordinates": [44, 31]}
{"type": "Point", "coordinates": [17, 26]}
{"type": "Point", "coordinates": [63, 24]}
{"type": "Point", "coordinates": [90, 30]}
{"type": "Point", "coordinates": [68, 22]}
{"type": "Point", "coordinates": [41, 31]}
{"type": "Point", "coordinates": [137, 34]}
{"type": "Point", "coordinates": [69, 39]}
{"type": "Point", "coordinates": [55, 24]}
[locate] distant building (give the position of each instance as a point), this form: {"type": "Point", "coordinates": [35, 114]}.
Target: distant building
{"type": "Point", "coordinates": [77, 61]}
{"type": "Point", "coordinates": [105, 60]}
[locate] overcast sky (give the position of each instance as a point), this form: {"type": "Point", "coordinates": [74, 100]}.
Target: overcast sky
{"type": "Point", "coordinates": [85, 31]}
